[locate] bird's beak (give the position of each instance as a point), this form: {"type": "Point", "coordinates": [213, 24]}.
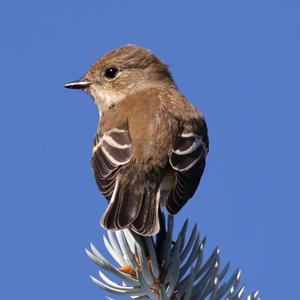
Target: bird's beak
{"type": "Point", "coordinates": [78, 84]}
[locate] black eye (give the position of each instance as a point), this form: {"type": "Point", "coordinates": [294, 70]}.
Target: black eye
{"type": "Point", "coordinates": [111, 72]}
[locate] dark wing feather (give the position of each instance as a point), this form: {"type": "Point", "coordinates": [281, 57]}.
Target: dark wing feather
{"type": "Point", "coordinates": [188, 161]}
{"type": "Point", "coordinates": [111, 151]}
{"type": "Point", "coordinates": [134, 205]}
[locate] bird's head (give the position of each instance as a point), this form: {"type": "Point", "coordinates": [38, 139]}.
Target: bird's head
{"type": "Point", "coordinates": [121, 72]}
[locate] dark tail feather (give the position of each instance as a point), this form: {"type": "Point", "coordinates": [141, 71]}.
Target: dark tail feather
{"type": "Point", "coordinates": [123, 208]}
{"type": "Point", "coordinates": [147, 223]}
{"type": "Point", "coordinates": [136, 207]}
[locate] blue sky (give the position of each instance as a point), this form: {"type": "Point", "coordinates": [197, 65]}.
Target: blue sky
{"type": "Point", "coordinates": [237, 61]}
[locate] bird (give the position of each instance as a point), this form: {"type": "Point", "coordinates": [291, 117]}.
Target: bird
{"type": "Point", "coordinates": [150, 148]}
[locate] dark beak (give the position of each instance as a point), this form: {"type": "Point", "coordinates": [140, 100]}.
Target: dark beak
{"type": "Point", "coordinates": [78, 84]}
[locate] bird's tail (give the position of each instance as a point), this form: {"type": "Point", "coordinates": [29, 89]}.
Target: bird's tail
{"type": "Point", "coordinates": [134, 205]}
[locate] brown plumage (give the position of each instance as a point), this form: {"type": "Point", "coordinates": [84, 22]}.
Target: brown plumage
{"type": "Point", "coordinates": [151, 144]}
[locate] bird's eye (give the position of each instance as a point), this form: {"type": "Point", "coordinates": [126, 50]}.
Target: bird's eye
{"type": "Point", "coordinates": [111, 72]}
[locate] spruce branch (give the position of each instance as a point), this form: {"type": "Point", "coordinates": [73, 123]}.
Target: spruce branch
{"type": "Point", "coordinates": [160, 268]}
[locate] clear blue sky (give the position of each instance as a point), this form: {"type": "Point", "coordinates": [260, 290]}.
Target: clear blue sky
{"type": "Point", "coordinates": [238, 61]}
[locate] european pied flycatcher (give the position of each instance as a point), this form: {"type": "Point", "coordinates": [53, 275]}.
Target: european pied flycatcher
{"type": "Point", "coordinates": [150, 147]}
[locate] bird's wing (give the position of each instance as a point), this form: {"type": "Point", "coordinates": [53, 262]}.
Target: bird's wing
{"type": "Point", "coordinates": [134, 205]}
{"type": "Point", "coordinates": [187, 158]}
{"type": "Point", "coordinates": [111, 151]}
